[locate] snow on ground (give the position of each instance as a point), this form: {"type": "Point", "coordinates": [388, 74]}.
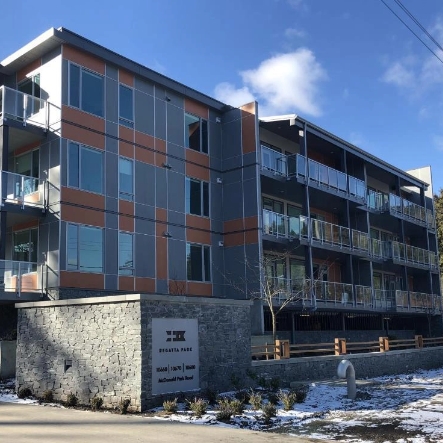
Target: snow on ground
{"type": "Point", "coordinates": [7, 393]}
{"type": "Point", "coordinates": [394, 409]}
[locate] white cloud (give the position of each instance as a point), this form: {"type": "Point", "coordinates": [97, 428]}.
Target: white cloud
{"type": "Point", "coordinates": [291, 33]}
{"type": "Point", "coordinates": [399, 74]}
{"type": "Point", "coordinates": [356, 138]}
{"type": "Point", "coordinates": [296, 4]}
{"type": "Point", "coordinates": [437, 140]}
{"type": "Point", "coordinates": [284, 83]}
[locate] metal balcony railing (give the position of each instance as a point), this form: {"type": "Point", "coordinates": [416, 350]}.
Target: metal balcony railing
{"type": "Point", "coordinates": [23, 107]}
{"type": "Point", "coordinates": [325, 233]}
{"type": "Point", "coordinates": [22, 190]}
{"type": "Point", "coordinates": [281, 289]}
{"type": "Point", "coordinates": [363, 295]}
{"type": "Point", "coordinates": [280, 225]}
{"type": "Point", "coordinates": [361, 241]}
{"type": "Point", "coordinates": [20, 276]}
{"type": "Point", "coordinates": [401, 207]}
{"type": "Point", "coordinates": [377, 201]}
{"type": "Point", "coordinates": [413, 255]}
{"type": "Point", "coordinates": [383, 299]}
{"type": "Point", "coordinates": [273, 161]}
{"type": "Point", "coordinates": [377, 248]}
{"type": "Point", "coordinates": [327, 176]}
{"type": "Point", "coordinates": [332, 292]}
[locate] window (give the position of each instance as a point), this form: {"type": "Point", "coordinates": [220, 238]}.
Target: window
{"type": "Point", "coordinates": [126, 106]}
{"type": "Point", "coordinates": [125, 254]}
{"type": "Point", "coordinates": [28, 165]}
{"type": "Point", "coordinates": [86, 90]}
{"type": "Point", "coordinates": [85, 168]}
{"type": "Point", "coordinates": [197, 197]}
{"type": "Point", "coordinates": [198, 259]}
{"type": "Point", "coordinates": [84, 248]}
{"type": "Point", "coordinates": [126, 183]}
{"type": "Point", "coordinates": [31, 86]}
{"type": "Point", "coordinates": [25, 245]}
{"type": "Point", "coordinates": [196, 133]}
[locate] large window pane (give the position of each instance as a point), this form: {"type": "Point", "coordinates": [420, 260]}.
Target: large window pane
{"type": "Point", "coordinates": [192, 132]}
{"type": "Point", "coordinates": [125, 258]}
{"type": "Point", "coordinates": [126, 179]}
{"type": "Point", "coordinates": [194, 262]}
{"type": "Point", "coordinates": [74, 86]}
{"type": "Point", "coordinates": [90, 249]}
{"type": "Point", "coordinates": [73, 165]}
{"type": "Point", "coordinates": [72, 247]}
{"type": "Point", "coordinates": [126, 106]}
{"type": "Point", "coordinates": [25, 245]}
{"type": "Point", "coordinates": [206, 199]}
{"type": "Point", "coordinates": [91, 170]}
{"type": "Point", "coordinates": [204, 126]}
{"type": "Point", "coordinates": [92, 93]}
{"type": "Point", "coordinates": [195, 197]}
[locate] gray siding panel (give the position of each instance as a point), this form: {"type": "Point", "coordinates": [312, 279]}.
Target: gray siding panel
{"type": "Point", "coordinates": [111, 88]}
{"type": "Point", "coordinates": [160, 119]}
{"type": "Point", "coordinates": [175, 124]}
{"type": "Point", "coordinates": [111, 251]}
{"type": "Point", "coordinates": [111, 172]}
{"type": "Point", "coordinates": [144, 112]}
{"type": "Point", "coordinates": [112, 72]}
{"type": "Point", "coordinates": [64, 162]}
{"type": "Point", "coordinates": [111, 282]}
{"type": "Point", "coordinates": [144, 219]}
{"type": "Point", "coordinates": [65, 84]}
{"type": "Point", "coordinates": [145, 183]}
{"type": "Point", "coordinates": [144, 86]}
{"type": "Point", "coordinates": [231, 134]}
{"type": "Point", "coordinates": [232, 205]}
{"type": "Point", "coordinates": [176, 191]}
{"type": "Point", "coordinates": [144, 255]}
{"type": "Point", "coordinates": [161, 188]}
{"type": "Point", "coordinates": [177, 259]}
{"type": "Point", "coordinates": [250, 197]}
{"type": "Point", "coordinates": [111, 129]}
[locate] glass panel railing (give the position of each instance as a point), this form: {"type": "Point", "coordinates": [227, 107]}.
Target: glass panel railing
{"type": "Point", "coordinates": [273, 161]}
{"type": "Point", "coordinates": [413, 255]}
{"type": "Point", "coordinates": [376, 248]}
{"type": "Point", "coordinates": [280, 225]}
{"type": "Point", "coordinates": [324, 232]}
{"type": "Point", "coordinates": [21, 190]}
{"type": "Point", "coordinates": [430, 219]}
{"type": "Point", "coordinates": [401, 299]}
{"type": "Point", "coordinates": [412, 211]}
{"type": "Point", "coordinates": [383, 299]}
{"type": "Point", "coordinates": [421, 301]}
{"type": "Point", "coordinates": [20, 276]}
{"type": "Point", "coordinates": [360, 241]}
{"type": "Point", "coordinates": [376, 200]}
{"type": "Point", "coordinates": [357, 188]}
{"type": "Point", "coordinates": [326, 176]}
{"type": "Point", "coordinates": [23, 107]}
{"type": "Point", "coordinates": [301, 165]}
{"type": "Point", "coordinates": [304, 226]}
{"type": "Point", "coordinates": [283, 289]}
{"type": "Point", "coordinates": [333, 292]}
{"type": "Point", "coordinates": [363, 295]}
{"type": "Point", "coordinates": [395, 204]}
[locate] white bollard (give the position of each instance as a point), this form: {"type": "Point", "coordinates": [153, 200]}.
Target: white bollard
{"type": "Point", "coordinates": [346, 370]}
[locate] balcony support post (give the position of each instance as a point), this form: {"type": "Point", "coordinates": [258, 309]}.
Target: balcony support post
{"type": "Point", "coordinates": [4, 147]}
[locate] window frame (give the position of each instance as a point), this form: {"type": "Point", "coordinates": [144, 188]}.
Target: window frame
{"type": "Point", "coordinates": [202, 247]}
{"type": "Point", "coordinates": [132, 195]}
{"type": "Point", "coordinates": [68, 173]}
{"type": "Point", "coordinates": [80, 83]}
{"type": "Point", "coordinates": [132, 268]}
{"type": "Point", "coordinates": [78, 226]}
{"type": "Point", "coordinates": [202, 205]}
{"type": "Point", "coordinates": [123, 120]}
{"type": "Point", "coordinates": [186, 139]}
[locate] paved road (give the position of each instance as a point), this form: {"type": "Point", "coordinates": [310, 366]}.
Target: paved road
{"type": "Point", "coordinates": [30, 423]}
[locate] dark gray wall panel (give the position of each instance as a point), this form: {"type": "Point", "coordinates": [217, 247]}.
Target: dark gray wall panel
{"type": "Point", "coordinates": [231, 134]}
{"type": "Point", "coordinates": [111, 251]}
{"type": "Point", "coordinates": [111, 174]}
{"type": "Point", "coordinates": [111, 102]}
{"type": "Point", "coordinates": [177, 232]}
{"type": "Point", "coordinates": [145, 183]}
{"type": "Point", "coordinates": [144, 219]}
{"type": "Point", "coordinates": [144, 86]}
{"type": "Point", "coordinates": [232, 203]}
{"type": "Point", "coordinates": [111, 220]}
{"type": "Point", "coordinates": [65, 84]}
{"type": "Point", "coordinates": [215, 137]}
{"type": "Point", "coordinates": [175, 124]}
{"type": "Point", "coordinates": [231, 163]}
{"type": "Point", "coordinates": [234, 176]}
{"type": "Point", "coordinates": [235, 272]}
{"type": "Point", "coordinates": [177, 259]}
{"type": "Point", "coordinates": [144, 255]}
{"type": "Point", "coordinates": [160, 119]}
{"type": "Point", "coordinates": [250, 197]}
{"type": "Point", "coordinates": [249, 172]}
{"type": "Point", "coordinates": [177, 218]}
{"type": "Point", "coordinates": [162, 287]}
{"type": "Point", "coordinates": [161, 188]}
{"type": "Point", "coordinates": [64, 162]}
{"type": "Point", "coordinates": [144, 112]}
{"type": "Point", "coordinates": [112, 72]}
{"type": "Point", "coordinates": [252, 270]}
{"type": "Point", "coordinates": [174, 99]}
{"type": "Point", "coordinates": [111, 129]}
{"type": "Point", "coordinates": [216, 201]}
{"type": "Point", "coordinates": [111, 282]}
{"type": "Point", "coordinates": [176, 191]}
{"type": "Point", "coordinates": [217, 267]}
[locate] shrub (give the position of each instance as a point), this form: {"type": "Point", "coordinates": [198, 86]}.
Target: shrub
{"type": "Point", "coordinates": [269, 411]}
{"type": "Point", "coordinates": [301, 395]}
{"type": "Point", "coordinates": [170, 406]}
{"type": "Point", "coordinates": [96, 403]}
{"type": "Point", "coordinates": [288, 399]}
{"type": "Point", "coordinates": [237, 407]}
{"type": "Point", "coordinates": [262, 382]}
{"type": "Point", "coordinates": [211, 396]}
{"type": "Point", "coordinates": [273, 398]}
{"type": "Point", "coordinates": [256, 400]}
{"type": "Point", "coordinates": [242, 396]}
{"type": "Point", "coordinates": [24, 392]}
{"type": "Point", "coordinates": [48, 396]}
{"type": "Point", "coordinates": [198, 406]}
{"type": "Point", "coordinates": [124, 405]}
{"type": "Point", "coordinates": [224, 410]}
{"type": "Point", "coordinates": [71, 400]}
{"type": "Point", "coordinates": [274, 383]}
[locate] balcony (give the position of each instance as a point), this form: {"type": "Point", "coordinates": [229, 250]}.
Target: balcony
{"type": "Point", "coordinates": [280, 226]}
{"type": "Point", "coordinates": [333, 292]}
{"type": "Point", "coordinates": [363, 296]}
{"type": "Point", "coordinates": [402, 208]}
{"type": "Point", "coordinates": [401, 253]}
{"type": "Point", "coordinates": [417, 302]}
{"type": "Point", "coordinates": [20, 281]}
{"type": "Point", "coordinates": [294, 290]}
{"type": "Point", "coordinates": [18, 192]}
{"type": "Point", "coordinates": [325, 234]}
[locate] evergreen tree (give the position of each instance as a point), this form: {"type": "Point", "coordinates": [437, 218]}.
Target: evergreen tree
{"type": "Point", "coordinates": [438, 205]}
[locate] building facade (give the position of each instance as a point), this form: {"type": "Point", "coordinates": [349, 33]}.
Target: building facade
{"type": "Point", "coordinates": [117, 179]}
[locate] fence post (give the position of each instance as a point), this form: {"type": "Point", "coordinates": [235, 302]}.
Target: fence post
{"type": "Point", "coordinates": [339, 346]}
{"type": "Point", "coordinates": [419, 341]}
{"type": "Point", "coordinates": [384, 344]}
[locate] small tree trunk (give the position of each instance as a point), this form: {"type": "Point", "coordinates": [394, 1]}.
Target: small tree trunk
{"type": "Point", "coordinates": [274, 325]}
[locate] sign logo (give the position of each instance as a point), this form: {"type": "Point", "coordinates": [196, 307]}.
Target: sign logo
{"type": "Point", "coordinates": [176, 335]}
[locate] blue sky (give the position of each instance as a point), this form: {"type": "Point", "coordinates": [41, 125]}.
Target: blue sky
{"type": "Point", "coordinates": [348, 66]}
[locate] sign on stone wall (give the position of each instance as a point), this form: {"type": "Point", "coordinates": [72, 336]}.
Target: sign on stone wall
{"type": "Point", "coordinates": [175, 355]}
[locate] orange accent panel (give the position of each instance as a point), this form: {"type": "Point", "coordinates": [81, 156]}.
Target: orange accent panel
{"type": "Point", "coordinates": [126, 207]}
{"type": "Point", "coordinates": [236, 239]}
{"type": "Point", "coordinates": [83, 280]}
{"type": "Point", "coordinates": [83, 136]}
{"type": "Point", "coordinates": [145, 140]}
{"type": "Point", "coordinates": [126, 223]}
{"type": "Point", "coordinates": [195, 171]}
{"type": "Point", "coordinates": [125, 283]}
{"type": "Point", "coordinates": [125, 77]}
{"type": "Point", "coordinates": [21, 75]}
{"type": "Point", "coordinates": [200, 289]}
{"type": "Point", "coordinates": [177, 287]}
{"type": "Point", "coordinates": [233, 225]}
{"type": "Point", "coordinates": [251, 237]}
{"type": "Point", "coordinates": [200, 237]}
{"type": "Point", "coordinates": [144, 284]}
{"type": "Point", "coordinates": [78, 197]}
{"type": "Point", "coordinates": [160, 160]}
{"type": "Point", "coordinates": [26, 148]}
{"type": "Point", "coordinates": [161, 214]}
{"type": "Point", "coordinates": [251, 222]}
{"type": "Point", "coordinates": [84, 59]}
{"type": "Point", "coordinates": [160, 145]}
{"type": "Point", "coordinates": [162, 257]}
{"type": "Point", "coordinates": [197, 157]}
{"type": "Point", "coordinates": [125, 149]}
{"type": "Point", "coordinates": [126, 134]}
{"type": "Point", "coordinates": [194, 221]}
{"type": "Point", "coordinates": [248, 132]}
{"type": "Point", "coordinates": [29, 281]}
{"type": "Point", "coordinates": [83, 118]}
{"type": "Point", "coordinates": [82, 216]}
{"type": "Point", "coordinates": [144, 155]}
{"type": "Point", "coordinates": [25, 225]}
{"type": "Point", "coordinates": [196, 108]}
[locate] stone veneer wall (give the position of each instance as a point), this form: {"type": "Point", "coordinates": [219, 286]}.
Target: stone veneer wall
{"type": "Point", "coordinates": [374, 364]}
{"type": "Point", "coordinates": [108, 342]}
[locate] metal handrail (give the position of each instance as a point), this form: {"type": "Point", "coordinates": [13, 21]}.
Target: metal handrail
{"type": "Point", "coordinates": [410, 210]}
{"type": "Point", "coordinates": [363, 295]}
{"type": "Point", "coordinates": [20, 276]}
{"type": "Point", "coordinates": [21, 190]}
{"type": "Point", "coordinates": [280, 225]}
{"type": "Point", "coordinates": [413, 255]}
{"type": "Point", "coordinates": [332, 292]}
{"type": "Point", "coordinates": [329, 233]}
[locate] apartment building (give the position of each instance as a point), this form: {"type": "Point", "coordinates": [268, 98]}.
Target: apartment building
{"type": "Point", "coordinates": [117, 179]}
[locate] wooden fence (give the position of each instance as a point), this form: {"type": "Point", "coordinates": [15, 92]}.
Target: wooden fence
{"type": "Point", "coordinates": [282, 349]}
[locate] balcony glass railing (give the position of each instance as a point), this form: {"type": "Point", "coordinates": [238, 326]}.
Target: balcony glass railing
{"type": "Point", "coordinates": [19, 276]}
{"type": "Point", "coordinates": [328, 233]}
{"type": "Point", "coordinates": [273, 161]}
{"type": "Point", "coordinates": [21, 190]}
{"type": "Point", "coordinates": [383, 299]}
{"type": "Point", "coordinates": [360, 241]}
{"type": "Point", "coordinates": [377, 248]}
{"type": "Point", "coordinates": [332, 292]}
{"type": "Point", "coordinates": [376, 200]}
{"type": "Point", "coordinates": [413, 255]}
{"type": "Point", "coordinates": [363, 295]}
{"type": "Point", "coordinates": [23, 107]}
{"type": "Point", "coordinates": [280, 225]}
{"type": "Point", "coordinates": [326, 176]}
{"type": "Point", "coordinates": [281, 289]}
{"type": "Point", "coordinates": [357, 188]}
{"type": "Point", "coordinates": [409, 210]}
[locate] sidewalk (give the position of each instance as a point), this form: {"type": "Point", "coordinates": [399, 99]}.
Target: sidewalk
{"type": "Point", "coordinates": [31, 423]}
